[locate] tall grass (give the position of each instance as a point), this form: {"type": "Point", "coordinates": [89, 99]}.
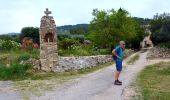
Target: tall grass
{"type": "Point", "coordinates": [14, 71]}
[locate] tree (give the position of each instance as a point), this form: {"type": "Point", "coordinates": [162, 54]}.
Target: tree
{"type": "Point", "coordinates": [77, 31]}
{"type": "Point", "coordinates": [135, 42]}
{"type": "Point", "coordinates": [160, 27]}
{"type": "Point", "coordinates": [30, 32]}
{"type": "Point", "coordinates": [109, 27]}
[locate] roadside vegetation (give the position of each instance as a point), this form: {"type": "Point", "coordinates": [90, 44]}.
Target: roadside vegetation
{"type": "Point", "coordinates": [133, 59]}
{"type": "Point", "coordinates": [160, 27]}
{"type": "Point", "coordinates": [153, 82]}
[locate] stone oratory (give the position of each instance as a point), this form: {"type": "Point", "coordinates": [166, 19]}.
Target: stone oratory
{"type": "Point", "coordinates": [48, 42]}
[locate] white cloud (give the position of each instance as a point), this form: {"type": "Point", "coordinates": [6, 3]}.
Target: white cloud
{"type": "Point", "coordinates": [16, 14]}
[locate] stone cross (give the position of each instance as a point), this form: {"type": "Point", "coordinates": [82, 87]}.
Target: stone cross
{"type": "Point", "coordinates": [47, 12]}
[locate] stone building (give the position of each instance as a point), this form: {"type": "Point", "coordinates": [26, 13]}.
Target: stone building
{"type": "Point", "coordinates": [48, 42]}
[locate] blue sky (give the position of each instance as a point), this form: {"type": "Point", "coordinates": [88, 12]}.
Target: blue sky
{"type": "Point", "coordinates": [15, 14]}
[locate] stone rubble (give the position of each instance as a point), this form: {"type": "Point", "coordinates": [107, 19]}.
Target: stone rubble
{"type": "Point", "coordinates": [158, 52]}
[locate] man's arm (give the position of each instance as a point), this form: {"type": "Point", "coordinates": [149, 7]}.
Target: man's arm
{"type": "Point", "coordinates": [114, 52]}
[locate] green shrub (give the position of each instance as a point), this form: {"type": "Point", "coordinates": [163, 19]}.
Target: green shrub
{"type": "Point", "coordinates": [23, 57]}
{"type": "Point", "coordinates": [63, 35]}
{"type": "Point", "coordinates": [104, 51]}
{"type": "Point", "coordinates": [165, 45]}
{"type": "Point", "coordinates": [68, 43]}
{"type": "Point", "coordinates": [78, 37]}
{"type": "Point", "coordinates": [8, 45]}
{"type": "Point", "coordinates": [34, 53]}
{"type": "Point", "coordinates": [14, 71]}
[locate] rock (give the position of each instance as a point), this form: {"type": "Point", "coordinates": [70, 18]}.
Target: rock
{"type": "Point", "coordinates": [158, 52]}
{"type": "Point", "coordinates": [75, 63]}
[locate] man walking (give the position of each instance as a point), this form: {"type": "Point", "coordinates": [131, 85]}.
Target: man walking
{"type": "Point", "coordinates": [118, 57]}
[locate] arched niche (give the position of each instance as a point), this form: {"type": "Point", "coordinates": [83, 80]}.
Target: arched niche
{"type": "Point", "coordinates": [49, 37]}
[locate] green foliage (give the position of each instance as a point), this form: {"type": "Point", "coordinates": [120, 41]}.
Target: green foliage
{"type": "Point", "coordinates": [164, 45]}
{"type": "Point", "coordinates": [16, 56]}
{"type": "Point", "coordinates": [140, 34]}
{"type": "Point", "coordinates": [75, 29]}
{"type": "Point", "coordinates": [10, 37]}
{"type": "Point", "coordinates": [23, 57]}
{"type": "Point", "coordinates": [109, 27]}
{"type": "Point", "coordinates": [160, 27]}
{"type": "Point", "coordinates": [8, 45]}
{"type": "Point", "coordinates": [154, 82]}
{"type": "Point", "coordinates": [30, 32]}
{"type": "Point", "coordinates": [142, 21]}
{"type": "Point", "coordinates": [5, 37]}
{"type": "Point", "coordinates": [82, 50]}
{"type": "Point", "coordinates": [78, 37]}
{"type": "Point", "coordinates": [14, 71]}
{"type": "Point", "coordinates": [24, 54]}
{"type": "Point", "coordinates": [63, 35]}
{"type": "Point", "coordinates": [67, 43]}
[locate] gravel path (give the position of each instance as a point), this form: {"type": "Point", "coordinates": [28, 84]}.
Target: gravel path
{"type": "Point", "coordinates": [7, 92]}
{"type": "Point", "coordinates": [99, 85]}
{"type": "Point", "coordinates": [95, 86]}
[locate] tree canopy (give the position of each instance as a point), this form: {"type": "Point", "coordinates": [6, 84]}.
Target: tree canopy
{"type": "Point", "coordinates": [30, 32]}
{"type": "Point", "coordinates": [160, 27]}
{"type": "Point", "coordinates": [109, 27]}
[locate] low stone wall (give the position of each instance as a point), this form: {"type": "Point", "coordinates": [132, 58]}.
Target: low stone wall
{"type": "Point", "coordinates": [158, 52]}
{"type": "Point", "coordinates": [75, 63]}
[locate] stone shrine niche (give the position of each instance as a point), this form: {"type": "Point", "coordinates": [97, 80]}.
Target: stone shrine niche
{"type": "Point", "coordinates": [49, 37]}
{"type": "Point", "coordinates": [48, 42]}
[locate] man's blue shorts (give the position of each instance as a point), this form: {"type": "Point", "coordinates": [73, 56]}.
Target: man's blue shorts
{"type": "Point", "coordinates": [119, 66]}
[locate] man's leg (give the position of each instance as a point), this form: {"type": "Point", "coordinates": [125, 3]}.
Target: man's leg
{"type": "Point", "coordinates": [117, 72]}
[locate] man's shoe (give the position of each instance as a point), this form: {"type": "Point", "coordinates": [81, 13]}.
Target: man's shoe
{"type": "Point", "coordinates": [117, 83]}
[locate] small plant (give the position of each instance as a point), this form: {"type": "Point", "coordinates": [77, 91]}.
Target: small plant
{"type": "Point", "coordinates": [23, 57]}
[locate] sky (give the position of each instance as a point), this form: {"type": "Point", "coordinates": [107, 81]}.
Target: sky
{"type": "Point", "coordinates": [16, 14]}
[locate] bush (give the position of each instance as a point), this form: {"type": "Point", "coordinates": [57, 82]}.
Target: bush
{"type": "Point", "coordinates": [68, 43]}
{"type": "Point", "coordinates": [78, 37]}
{"type": "Point", "coordinates": [8, 45]}
{"type": "Point", "coordinates": [165, 45]}
{"type": "Point", "coordinates": [23, 57]}
{"type": "Point", "coordinates": [63, 35]}
{"type": "Point", "coordinates": [15, 71]}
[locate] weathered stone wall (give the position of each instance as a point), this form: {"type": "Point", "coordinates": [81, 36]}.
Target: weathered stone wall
{"type": "Point", "coordinates": [158, 52]}
{"type": "Point", "coordinates": [75, 63]}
